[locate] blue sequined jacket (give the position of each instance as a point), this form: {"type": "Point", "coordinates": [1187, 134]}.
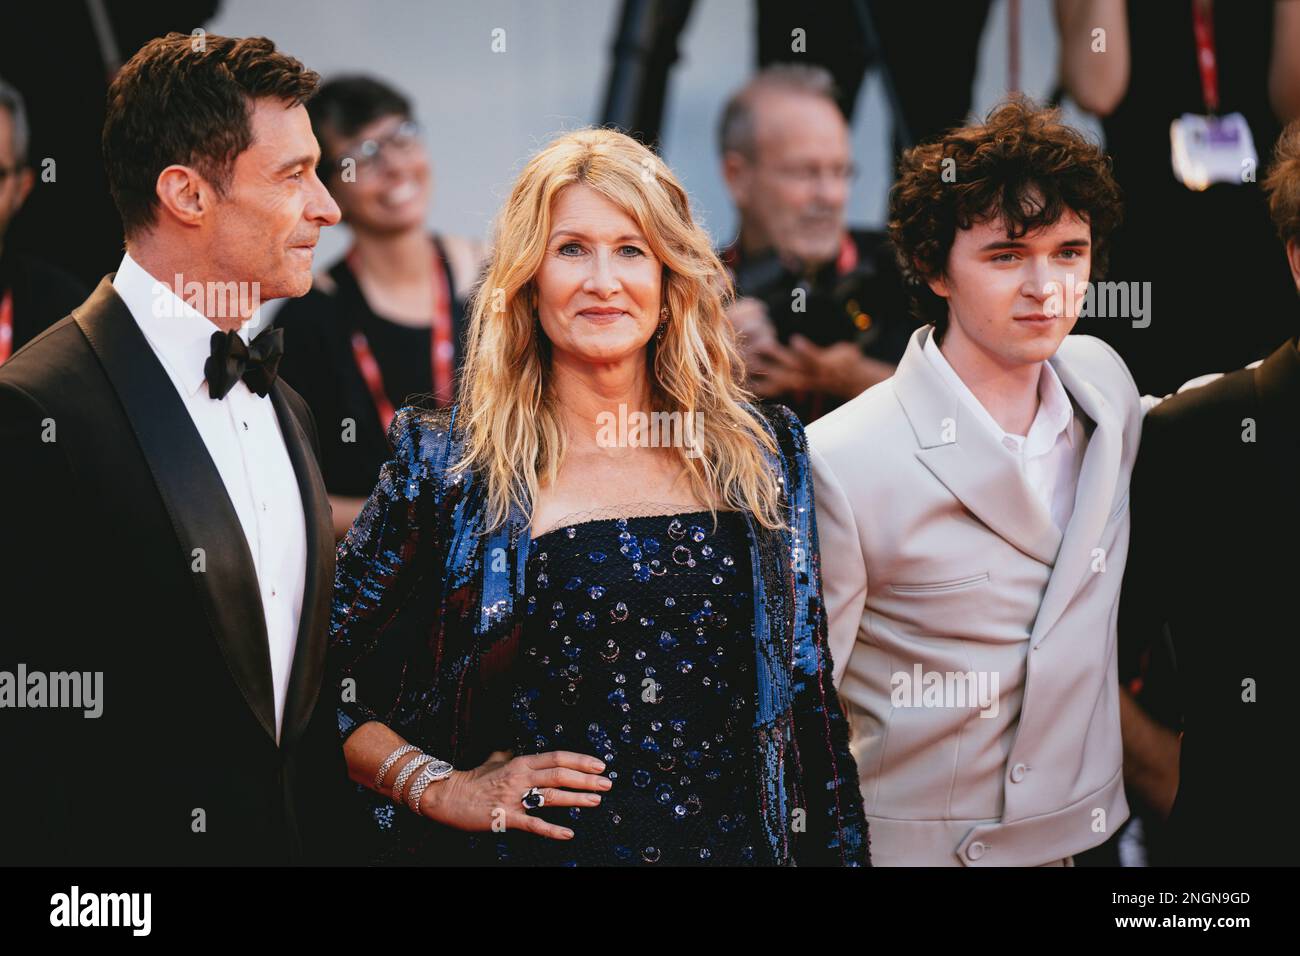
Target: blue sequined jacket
{"type": "Point", "coordinates": [428, 612]}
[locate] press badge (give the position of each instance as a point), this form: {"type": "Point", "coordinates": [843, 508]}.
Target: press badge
{"type": "Point", "coordinates": [1211, 149]}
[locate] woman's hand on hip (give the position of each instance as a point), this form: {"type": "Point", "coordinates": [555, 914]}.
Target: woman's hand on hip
{"type": "Point", "coordinates": [479, 798]}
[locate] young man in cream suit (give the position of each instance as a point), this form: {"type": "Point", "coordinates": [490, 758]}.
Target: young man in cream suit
{"type": "Point", "coordinates": [972, 512]}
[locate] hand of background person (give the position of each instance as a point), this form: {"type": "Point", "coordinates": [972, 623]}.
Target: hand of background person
{"type": "Point", "coordinates": [755, 335]}
{"type": "Point", "coordinates": [839, 369]}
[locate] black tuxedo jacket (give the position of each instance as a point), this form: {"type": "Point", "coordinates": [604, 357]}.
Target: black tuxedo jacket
{"type": "Point", "coordinates": [122, 554]}
{"type": "Point", "coordinates": [1214, 571]}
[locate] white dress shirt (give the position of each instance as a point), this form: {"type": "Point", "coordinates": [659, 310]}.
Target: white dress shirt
{"type": "Point", "coordinates": [242, 434]}
{"type": "Point", "coordinates": [1051, 455]}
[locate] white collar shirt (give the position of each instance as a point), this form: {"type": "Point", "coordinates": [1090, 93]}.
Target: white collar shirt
{"type": "Point", "coordinates": [242, 435]}
{"type": "Point", "coordinates": [1051, 454]}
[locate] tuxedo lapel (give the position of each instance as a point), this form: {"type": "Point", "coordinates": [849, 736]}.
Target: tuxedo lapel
{"type": "Point", "coordinates": [962, 453]}
{"type": "Point", "coordinates": [1094, 495]}
{"type": "Point", "coordinates": [309, 652]}
{"type": "Point", "coordinates": [192, 493]}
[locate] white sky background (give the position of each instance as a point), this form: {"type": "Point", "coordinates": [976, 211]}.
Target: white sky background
{"type": "Point", "coordinates": [484, 113]}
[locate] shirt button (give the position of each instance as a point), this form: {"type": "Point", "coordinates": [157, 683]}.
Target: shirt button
{"type": "Point", "coordinates": [1011, 443]}
{"type": "Point", "coordinates": [245, 426]}
{"type": "Point", "coordinates": [975, 850]}
{"type": "Point", "coordinates": [1018, 773]}
{"type": "Point", "coordinates": [265, 507]}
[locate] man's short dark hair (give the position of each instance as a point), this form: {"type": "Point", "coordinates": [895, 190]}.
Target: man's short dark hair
{"type": "Point", "coordinates": [187, 100]}
{"type": "Point", "coordinates": [345, 105]}
{"type": "Point", "coordinates": [1023, 165]}
{"type": "Point", "coordinates": [1282, 185]}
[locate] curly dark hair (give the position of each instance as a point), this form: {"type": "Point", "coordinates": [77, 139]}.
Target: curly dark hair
{"type": "Point", "coordinates": [187, 100]}
{"type": "Point", "coordinates": [1023, 165]}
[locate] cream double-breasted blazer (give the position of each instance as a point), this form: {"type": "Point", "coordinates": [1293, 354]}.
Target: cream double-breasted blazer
{"type": "Point", "coordinates": [973, 641]}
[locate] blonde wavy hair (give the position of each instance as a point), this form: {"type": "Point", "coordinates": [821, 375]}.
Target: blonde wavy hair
{"type": "Point", "coordinates": [512, 425]}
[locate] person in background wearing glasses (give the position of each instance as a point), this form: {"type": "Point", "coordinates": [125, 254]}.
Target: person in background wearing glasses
{"type": "Point", "coordinates": [33, 294]}
{"type": "Point", "coordinates": [386, 322]}
{"type": "Point", "coordinates": [821, 310]}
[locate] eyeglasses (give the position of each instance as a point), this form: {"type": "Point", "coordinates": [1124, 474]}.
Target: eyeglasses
{"type": "Point", "coordinates": [369, 153]}
{"type": "Point", "coordinates": [808, 174]}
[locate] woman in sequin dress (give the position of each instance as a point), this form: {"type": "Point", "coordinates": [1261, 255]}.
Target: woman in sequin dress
{"type": "Point", "coordinates": [604, 562]}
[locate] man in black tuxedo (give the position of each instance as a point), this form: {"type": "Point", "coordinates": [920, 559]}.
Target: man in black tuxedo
{"type": "Point", "coordinates": [1213, 574]}
{"type": "Point", "coordinates": [166, 573]}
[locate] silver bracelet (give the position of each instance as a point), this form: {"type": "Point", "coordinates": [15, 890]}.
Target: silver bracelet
{"type": "Point", "coordinates": [412, 765]}
{"type": "Point", "coordinates": [392, 759]}
{"type": "Point", "coordinates": [433, 771]}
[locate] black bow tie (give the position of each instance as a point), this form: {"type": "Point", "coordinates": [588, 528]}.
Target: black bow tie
{"type": "Point", "coordinates": [231, 360]}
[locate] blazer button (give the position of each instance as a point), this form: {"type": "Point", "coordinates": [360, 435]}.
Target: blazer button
{"type": "Point", "coordinates": [1018, 773]}
{"type": "Point", "coordinates": [975, 850]}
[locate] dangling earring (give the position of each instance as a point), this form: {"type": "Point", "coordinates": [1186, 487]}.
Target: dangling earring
{"type": "Point", "coordinates": [663, 326]}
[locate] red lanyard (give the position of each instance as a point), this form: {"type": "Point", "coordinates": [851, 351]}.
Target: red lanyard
{"type": "Point", "coordinates": [1206, 60]}
{"type": "Point", "coordinates": [442, 351]}
{"type": "Point", "coordinates": [848, 258]}
{"type": "Point", "coordinates": [6, 325]}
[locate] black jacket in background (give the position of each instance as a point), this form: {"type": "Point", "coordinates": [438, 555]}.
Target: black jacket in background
{"type": "Point", "coordinates": [42, 293]}
{"type": "Point", "coordinates": [1214, 561]}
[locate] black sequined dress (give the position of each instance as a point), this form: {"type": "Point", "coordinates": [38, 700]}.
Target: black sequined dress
{"type": "Point", "coordinates": [638, 647]}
